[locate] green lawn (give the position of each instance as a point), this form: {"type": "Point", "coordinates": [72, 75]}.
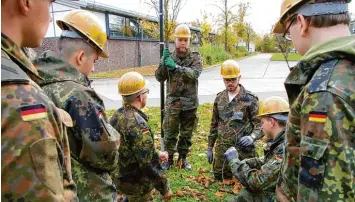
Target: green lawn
{"type": "Point", "coordinates": [197, 185]}
{"type": "Point", "coordinates": [280, 57]}
{"type": "Point", "coordinates": [145, 71]}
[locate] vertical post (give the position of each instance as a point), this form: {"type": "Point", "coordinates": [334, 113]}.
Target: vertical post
{"type": "Point", "coordinates": [162, 90]}
{"type": "Point", "coordinates": [107, 22]}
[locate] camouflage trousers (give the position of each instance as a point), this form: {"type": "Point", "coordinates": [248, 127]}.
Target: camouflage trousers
{"type": "Point", "coordinates": [246, 196]}
{"type": "Point", "coordinates": [136, 190]}
{"type": "Point", "coordinates": [221, 169]}
{"type": "Point", "coordinates": [177, 121]}
{"type": "Point", "coordinates": [93, 186]}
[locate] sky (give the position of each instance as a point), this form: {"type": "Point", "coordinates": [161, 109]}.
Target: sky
{"type": "Point", "coordinates": [262, 13]}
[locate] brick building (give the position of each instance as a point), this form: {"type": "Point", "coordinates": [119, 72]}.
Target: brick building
{"type": "Point", "coordinates": [128, 44]}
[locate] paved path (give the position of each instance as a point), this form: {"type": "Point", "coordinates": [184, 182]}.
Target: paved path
{"type": "Point", "coordinates": [259, 75]}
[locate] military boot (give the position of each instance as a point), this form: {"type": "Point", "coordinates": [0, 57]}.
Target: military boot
{"type": "Point", "coordinates": [184, 163]}
{"type": "Point", "coordinates": [169, 163]}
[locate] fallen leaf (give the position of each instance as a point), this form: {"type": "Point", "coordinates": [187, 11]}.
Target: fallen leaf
{"type": "Point", "coordinates": [237, 187]}
{"type": "Point", "coordinates": [229, 181]}
{"type": "Point", "coordinates": [179, 193]}
{"type": "Point", "coordinates": [201, 170]}
{"type": "Point", "coordinates": [201, 180]}
{"type": "Point", "coordinates": [219, 194]}
{"type": "Point", "coordinates": [187, 191]}
{"type": "Point", "coordinates": [179, 163]}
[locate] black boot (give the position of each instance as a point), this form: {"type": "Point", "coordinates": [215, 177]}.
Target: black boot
{"type": "Point", "coordinates": [184, 163]}
{"type": "Point", "coordinates": [169, 163]}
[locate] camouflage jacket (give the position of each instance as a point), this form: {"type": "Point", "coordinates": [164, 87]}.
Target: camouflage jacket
{"type": "Point", "coordinates": [93, 143]}
{"type": "Point", "coordinates": [138, 157]}
{"type": "Point", "coordinates": [319, 162]}
{"type": "Point", "coordinates": [35, 155]}
{"type": "Point", "coordinates": [259, 175]}
{"type": "Point", "coordinates": [235, 119]}
{"type": "Point", "coordinates": [182, 82]}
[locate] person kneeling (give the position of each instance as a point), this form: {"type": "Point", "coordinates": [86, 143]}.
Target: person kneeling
{"type": "Point", "coordinates": [259, 176]}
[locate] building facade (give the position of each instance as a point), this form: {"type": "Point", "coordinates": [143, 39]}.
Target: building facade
{"type": "Point", "coordinates": [128, 45]}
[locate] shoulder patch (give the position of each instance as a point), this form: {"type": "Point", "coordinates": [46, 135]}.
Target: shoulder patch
{"type": "Point", "coordinates": [252, 94]}
{"type": "Point", "coordinates": [33, 112]}
{"type": "Point", "coordinates": [319, 117]}
{"type": "Point", "coordinates": [320, 79]}
{"type": "Point", "coordinates": [145, 131]}
{"type": "Point", "coordinates": [12, 73]}
{"type": "Point", "coordinates": [278, 157]}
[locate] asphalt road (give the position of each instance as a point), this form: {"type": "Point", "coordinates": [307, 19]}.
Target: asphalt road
{"type": "Point", "coordinates": [260, 75]}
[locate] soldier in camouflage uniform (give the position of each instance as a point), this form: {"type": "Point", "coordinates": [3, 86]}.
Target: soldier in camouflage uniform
{"type": "Point", "coordinates": [139, 170]}
{"type": "Point", "coordinates": [35, 155]}
{"type": "Point", "coordinates": [259, 175]}
{"type": "Point", "coordinates": [93, 142]}
{"type": "Point", "coordinates": [319, 154]}
{"type": "Point", "coordinates": [181, 69]}
{"type": "Point", "coordinates": [234, 121]}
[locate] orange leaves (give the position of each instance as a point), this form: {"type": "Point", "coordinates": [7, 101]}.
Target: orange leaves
{"type": "Point", "coordinates": [179, 164]}
{"type": "Point", "coordinates": [229, 181]}
{"type": "Point", "coordinates": [187, 191]}
{"type": "Point", "coordinates": [234, 182]}
{"type": "Point", "coordinates": [219, 194]}
{"type": "Point", "coordinates": [201, 179]}
{"type": "Point", "coordinates": [237, 187]}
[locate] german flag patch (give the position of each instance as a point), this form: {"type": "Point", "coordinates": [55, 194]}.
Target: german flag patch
{"type": "Point", "coordinates": [145, 131]}
{"type": "Point", "coordinates": [278, 157]}
{"type": "Point", "coordinates": [33, 112]}
{"type": "Point", "coordinates": [319, 117]}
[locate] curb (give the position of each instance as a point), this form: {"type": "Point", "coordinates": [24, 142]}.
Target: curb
{"type": "Point", "coordinates": [203, 69]}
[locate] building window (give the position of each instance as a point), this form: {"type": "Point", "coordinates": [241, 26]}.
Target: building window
{"type": "Point", "coordinates": [117, 26]}
{"type": "Point", "coordinates": [124, 27]}
{"type": "Point", "coordinates": [132, 28]}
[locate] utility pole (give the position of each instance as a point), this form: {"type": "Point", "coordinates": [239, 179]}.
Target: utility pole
{"type": "Point", "coordinates": [225, 25]}
{"type": "Point", "coordinates": [162, 90]}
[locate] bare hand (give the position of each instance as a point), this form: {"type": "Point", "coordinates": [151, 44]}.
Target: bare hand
{"type": "Point", "coordinates": [167, 196]}
{"type": "Point", "coordinates": [163, 156]}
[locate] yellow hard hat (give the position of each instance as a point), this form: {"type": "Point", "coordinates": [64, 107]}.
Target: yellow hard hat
{"type": "Point", "coordinates": [131, 83]}
{"type": "Point", "coordinates": [286, 6]}
{"type": "Point", "coordinates": [273, 105]}
{"type": "Point", "coordinates": [86, 24]}
{"type": "Point", "coordinates": [230, 69]}
{"type": "Point", "coordinates": [182, 31]}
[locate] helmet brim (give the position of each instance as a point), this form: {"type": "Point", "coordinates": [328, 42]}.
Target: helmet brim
{"type": "Point", "coordinates": [103, 54]}
{"type": "Point", "coordinates": [279, 28]}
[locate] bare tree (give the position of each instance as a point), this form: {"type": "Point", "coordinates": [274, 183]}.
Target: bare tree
{"type": "Point", "coordinates": [225, 18]}
{"type": "Point", "coordinates": [250, 35]}
{"type": "Point", "coordinates": [172, 9]}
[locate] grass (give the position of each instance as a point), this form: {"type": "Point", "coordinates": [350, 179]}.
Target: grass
{"type": "Point", "coordinates": [280, 57]}
{"type": "Point", "coordinates": [208, 61]}
{"type": "Point", "coordinates": [145, 71]}
{"type": "Point", "coordinates": [198, 184]}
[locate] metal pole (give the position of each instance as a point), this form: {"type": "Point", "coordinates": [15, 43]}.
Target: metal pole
{"type": "Point", "coordinates": [162, 90]}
